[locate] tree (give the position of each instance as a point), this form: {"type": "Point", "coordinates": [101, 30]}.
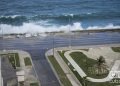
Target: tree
{"type": "Point", "coordinates": [101, 60]}
{"type": "Point", "coordinates": [101, 64]}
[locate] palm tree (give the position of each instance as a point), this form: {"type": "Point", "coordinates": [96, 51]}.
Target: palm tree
{"type": "Point", "coordinates": [101, 64]}
{"type": "Point", "coordinates": [101, 60]}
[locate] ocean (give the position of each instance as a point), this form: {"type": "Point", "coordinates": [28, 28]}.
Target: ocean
{"type": "Point", "coordinates": [40, 16]}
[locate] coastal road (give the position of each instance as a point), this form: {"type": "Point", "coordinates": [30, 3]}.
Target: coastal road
{"type": "Point", "coordinates": [39, 45]}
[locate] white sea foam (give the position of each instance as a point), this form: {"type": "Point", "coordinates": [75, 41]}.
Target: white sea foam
{"type": "Point", "coordinates": [109, 26]}
{"type": "Point", "coordinates": [13, 16]}
{"type": "Point", "coordinates": [37, 28]}
{"type": "Point", "coordinates": [89, 13]}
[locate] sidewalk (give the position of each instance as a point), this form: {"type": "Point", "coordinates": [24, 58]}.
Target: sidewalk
{"type": "Point", "coordinates": [24, 73]}
{"type": "Point", "coordinates": [81, 72]}
{"type": "Point", "coordinates": [65, 68]}
{"type": "Point", "coordinates": [1, 79]}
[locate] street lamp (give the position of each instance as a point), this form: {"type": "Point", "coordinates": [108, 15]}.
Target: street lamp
{"type": "Point", "coordinates": [53, 44]}
{"type": "Point", "coordinates": [70, 22]}
{"type": "Point", "coordinates": [1, 30]}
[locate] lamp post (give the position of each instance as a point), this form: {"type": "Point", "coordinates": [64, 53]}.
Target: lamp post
{"type": "Point", "coordinates": [70, 22]}
{"type": "Point", "coordinates": [1, 29]}
{"type": "Point", "coordinates": [53, 44]}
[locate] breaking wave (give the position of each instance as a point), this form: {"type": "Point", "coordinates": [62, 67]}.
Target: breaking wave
{"type": "Point", "coordinates": [20, 19]}
{"type": "Point", "coordinates": [37, 28]}
{"type": "Point", "coordinates": [13, 20]}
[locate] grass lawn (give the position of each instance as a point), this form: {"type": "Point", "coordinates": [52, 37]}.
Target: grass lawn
{"type": "Point", "coordinates": [62, 76]}
{"type": "Point", "coordinates": [21, 83]}
{"type": "Point", "coordinates": [34, 84]}
{"type": "Point", "coordinates": [116, 49]}
{"type": "Point", "coordinates": [27, 61]}
{"type": "Point", "coordinates": [14, 59]}
{"type": "Point", "coordinates": [84, 62]}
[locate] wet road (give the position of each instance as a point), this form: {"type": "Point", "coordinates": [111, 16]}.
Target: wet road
{"type": "Point", "coordinates": [38, 46]}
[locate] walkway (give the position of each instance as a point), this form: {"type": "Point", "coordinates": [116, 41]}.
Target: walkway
{"type": "Point", "coordinates": [1, 79]}
{"type": "Point", "coordinates": [65, 68]}
{"type": "Point", "coordinates": [82, 73]}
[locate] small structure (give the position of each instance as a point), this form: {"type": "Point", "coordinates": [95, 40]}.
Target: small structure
{"type": "Point", "coordinates": [20, 76]}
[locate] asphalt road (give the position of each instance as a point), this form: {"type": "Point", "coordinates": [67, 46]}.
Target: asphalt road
{"type": "Point", "coordinates": [38, 46]}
